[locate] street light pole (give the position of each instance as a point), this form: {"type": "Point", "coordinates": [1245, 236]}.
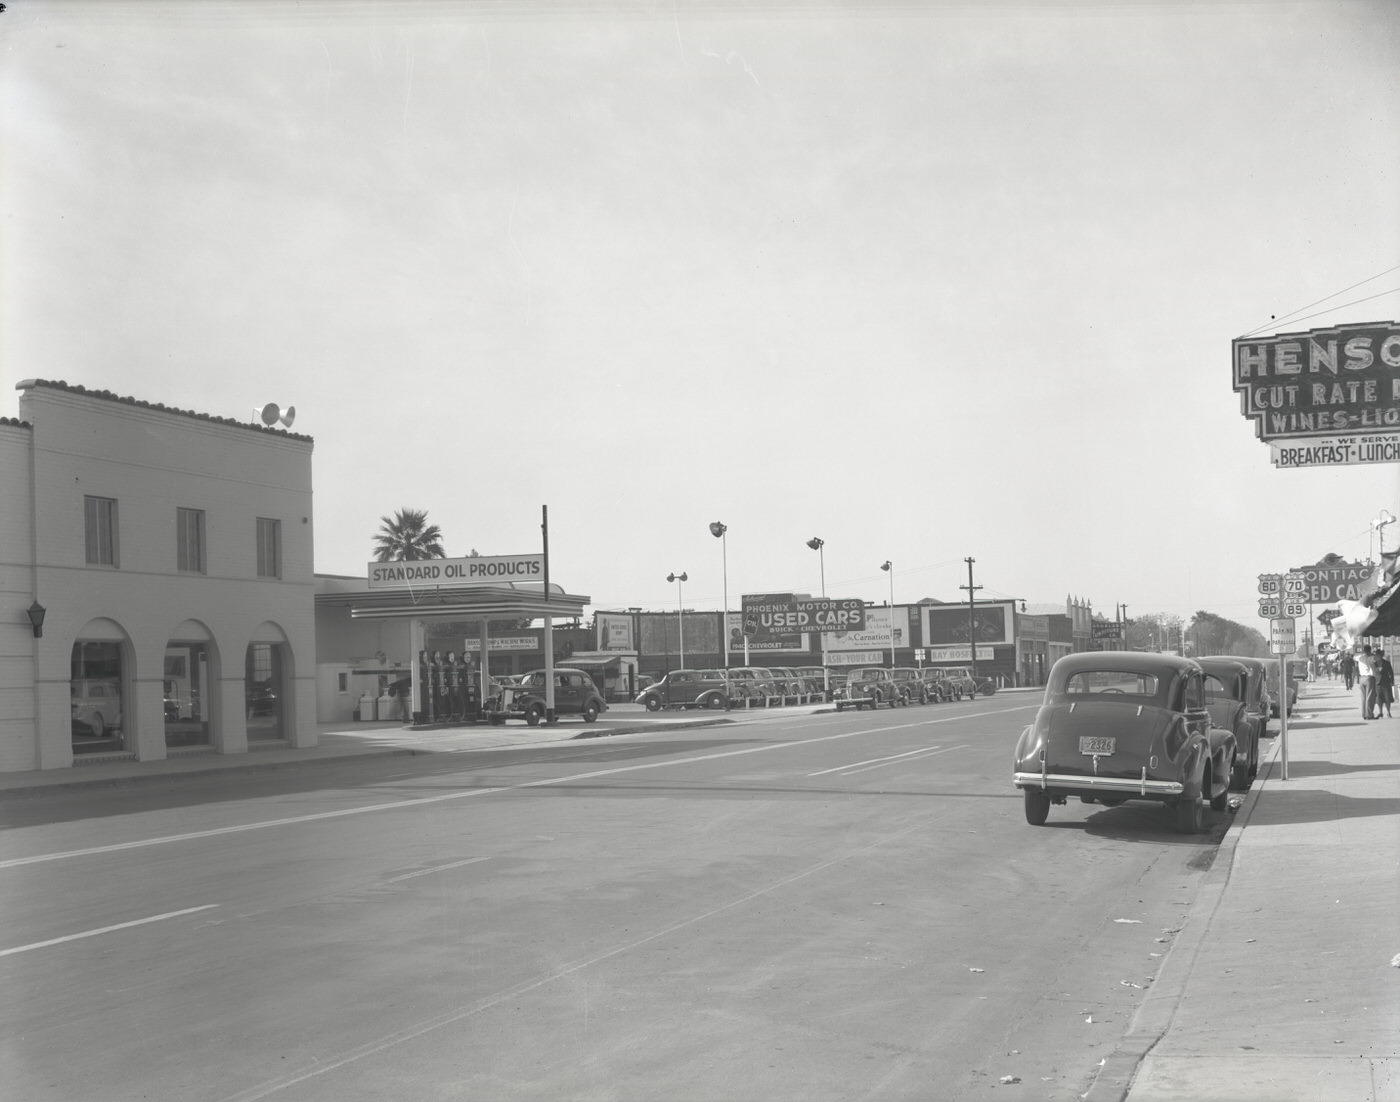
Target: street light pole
{"type": "Point", "coordinates": [1384, 517]}
{"type": "Point", "coordinates": [816, 543]}
{"type": "Point", "coordinates": [889, 569]}
{"type": "Point", "coordinates": [680, 609]}
{"type": "Point", "coordinates": [718, 530]}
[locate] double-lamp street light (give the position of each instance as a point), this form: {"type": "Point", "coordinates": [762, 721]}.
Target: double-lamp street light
{"type": "Point", "coordinates": [718, 530]}
{"type": "Point", "coordinates": [816, 543]}
{"type": "Point", "coordinates": [888, 568]}
{"type": "Point", "coordinates": [680, 609]}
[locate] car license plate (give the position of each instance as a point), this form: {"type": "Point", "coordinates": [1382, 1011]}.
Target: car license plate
{"type": "Point", "coordinates": [1096, 745]}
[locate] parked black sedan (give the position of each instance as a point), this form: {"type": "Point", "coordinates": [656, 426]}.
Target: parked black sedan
{"type": "Point", "coordinates": [1118, 726]}
{"type": "Point", "coordinates": [1236, 699]}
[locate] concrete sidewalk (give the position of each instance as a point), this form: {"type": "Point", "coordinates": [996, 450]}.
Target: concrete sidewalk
{"type": "Point", "coordinates": [1284, 983]}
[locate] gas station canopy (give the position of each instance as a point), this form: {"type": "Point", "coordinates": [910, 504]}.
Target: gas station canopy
{"type": "Point", "coordinates": [509, 601]}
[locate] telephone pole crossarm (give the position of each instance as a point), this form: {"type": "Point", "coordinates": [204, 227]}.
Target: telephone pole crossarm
{"type": "Point", "coordinates": [971, 614]}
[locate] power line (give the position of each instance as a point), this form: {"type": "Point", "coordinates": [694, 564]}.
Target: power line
{"type": "Point", "coordinates": [1334, 294]}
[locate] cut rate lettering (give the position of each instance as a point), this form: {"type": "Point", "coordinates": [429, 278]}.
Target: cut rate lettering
{"type": "Point", "coordinates": [1340, 380]}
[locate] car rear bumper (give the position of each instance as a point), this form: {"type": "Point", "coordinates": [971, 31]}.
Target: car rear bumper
{"type": "Point", "coordinates": [1078, 782]}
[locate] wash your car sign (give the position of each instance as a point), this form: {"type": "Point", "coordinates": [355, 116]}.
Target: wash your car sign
{"type": "Point", "coordinates": [477, 570]}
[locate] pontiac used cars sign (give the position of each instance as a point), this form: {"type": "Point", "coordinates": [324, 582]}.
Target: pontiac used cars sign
{"type": "Point", "coordinates": [1342, 381]}
{"type": "Point", "coordinates": [473, 571]}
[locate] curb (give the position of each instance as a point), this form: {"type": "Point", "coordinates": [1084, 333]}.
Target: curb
{"type": "Point", "coordinates": [1154, 1017]}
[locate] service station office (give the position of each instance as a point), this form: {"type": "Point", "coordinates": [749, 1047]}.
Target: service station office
{"type": "Point", "coordinates": [450, 615]}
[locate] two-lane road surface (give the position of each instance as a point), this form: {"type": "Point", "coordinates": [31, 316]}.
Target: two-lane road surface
{"type": "Point", "coordinates": [783, 907]}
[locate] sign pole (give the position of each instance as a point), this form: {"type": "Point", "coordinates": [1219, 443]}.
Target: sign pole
{"type": "Point", "coordinates": [549, 716]}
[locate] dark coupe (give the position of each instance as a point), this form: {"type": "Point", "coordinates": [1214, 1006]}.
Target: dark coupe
{"type": "Point", "coordinates": [1118, 726]}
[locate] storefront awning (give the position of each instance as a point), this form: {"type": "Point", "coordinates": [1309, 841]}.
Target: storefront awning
{"type": "Point", "coordinates": [606, 665]}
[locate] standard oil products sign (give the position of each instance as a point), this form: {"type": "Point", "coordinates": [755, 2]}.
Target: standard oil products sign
{"type": "Point", "coordinates": [478, 570]}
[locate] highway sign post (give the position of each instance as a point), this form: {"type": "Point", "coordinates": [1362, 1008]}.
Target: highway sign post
{"type": "Point", "coordinates": [1281, 602]}
{"type": "Point", "coordinates": [1283, 641]}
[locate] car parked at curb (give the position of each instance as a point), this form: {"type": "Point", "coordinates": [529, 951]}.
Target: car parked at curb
{"type": "Point", "coordinates": [910, 684]}
{"type": "Point", "coordinates": [1232, 698]}
{"type": "Point", "coordinates": [963, 684]}
{"type": "Point", "coordinates": [687, 689]}
{"type": "Point", "coordinates": [817, 679]}
{"type": "Point", "coordinates": [939, 687]}
{"type": "Point", "coordinates": [1119, 725]}
{"type": "Point", "coordinates": [1257, 692]}
{"type": "Point", "coordinates": [755, 685]}
{"type": "Point", "coordinates": [867, 688]}
{"type": "Point", "coordinates": [574, 694]}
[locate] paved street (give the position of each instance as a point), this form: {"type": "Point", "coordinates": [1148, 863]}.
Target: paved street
{"type": "Point", "coordinates": [781, 906]}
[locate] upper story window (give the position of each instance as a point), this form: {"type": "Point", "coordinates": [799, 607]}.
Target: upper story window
{"type": "Point", "coordinates": [269, 548]}
{"type": "Point", "coordinates": [189, 538]}
{"type": "Point", "coordinates": [100, 524]}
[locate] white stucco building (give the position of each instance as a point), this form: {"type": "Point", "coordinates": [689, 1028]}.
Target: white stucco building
{"type": "Point", "coordinates": [169, 556]}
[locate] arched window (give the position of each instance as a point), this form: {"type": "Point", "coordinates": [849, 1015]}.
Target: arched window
{"type": "Point", "coordinates": [97, 687]}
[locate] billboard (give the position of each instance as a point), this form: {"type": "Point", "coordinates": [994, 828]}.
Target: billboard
{"type": "Point", "coordinates": [614, 631]}
{"type": "Point", "coordinates": [1339, 381]}
{"type": "Point", "coordinates": [1107, 629]}
{"type": "Point", "coordinates": [959, 655]}
{"type": "Point", "coordinates": [947, 625]}
{"type": "Point", "coordinates": [875, 635]}
{"type": "Point", "coordinates": [782, 615]}
{"type": "Point", "coordinates": [661, 632]}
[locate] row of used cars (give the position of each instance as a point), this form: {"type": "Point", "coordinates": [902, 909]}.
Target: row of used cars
{"type": "Point", "coordinates": [1117, 726]}
{"type": "Point", "coordinates": [762, 686]}
{"type": "Point", "coordinates": [873, 686]}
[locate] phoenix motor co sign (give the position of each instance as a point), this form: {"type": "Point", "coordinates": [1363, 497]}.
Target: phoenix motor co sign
{"type": "Point", "coordinates": [776, 614]}
{"type": "Point", "coordinates": [1340, 381]}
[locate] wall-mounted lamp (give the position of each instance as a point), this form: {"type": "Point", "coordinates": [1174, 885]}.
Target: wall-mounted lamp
{"type": "Point", "coordinates": [37, 612]}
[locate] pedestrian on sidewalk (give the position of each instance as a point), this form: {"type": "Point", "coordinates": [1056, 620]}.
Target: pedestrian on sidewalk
{"type": "Point", "coordinates": [1366, 674]}
{"type": "Point", "coordinates": [1385, 684]}
{"type": "Point", "coordinates": [1349, 670]}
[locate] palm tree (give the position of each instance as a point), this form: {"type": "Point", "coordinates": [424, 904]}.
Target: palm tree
{"type": "Point", "coordinates": [407, 537]}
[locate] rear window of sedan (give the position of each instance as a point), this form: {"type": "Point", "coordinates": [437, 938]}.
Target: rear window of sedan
{"type": "Point", "coordinates": [1110, 683]}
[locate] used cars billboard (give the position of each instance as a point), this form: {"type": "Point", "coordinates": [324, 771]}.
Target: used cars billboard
{"type": "Point", "coordinates": [775, 615]}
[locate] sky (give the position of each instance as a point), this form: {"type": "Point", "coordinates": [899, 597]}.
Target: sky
{"type": "Point", "coordinates": [929, 281]}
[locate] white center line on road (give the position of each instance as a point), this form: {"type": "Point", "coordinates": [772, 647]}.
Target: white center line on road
{"type": "Point", "coordinates": [106, 929]}
{"type": "Point", "coordinates": [426, 801]}
{"type": "Point", "coordinates": [876, 763]}
{"type": "Point", "coordinates": [435, 868]}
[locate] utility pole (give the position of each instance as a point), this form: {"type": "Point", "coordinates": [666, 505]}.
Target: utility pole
{"type": "Point", "coordinates": [971, 606]}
